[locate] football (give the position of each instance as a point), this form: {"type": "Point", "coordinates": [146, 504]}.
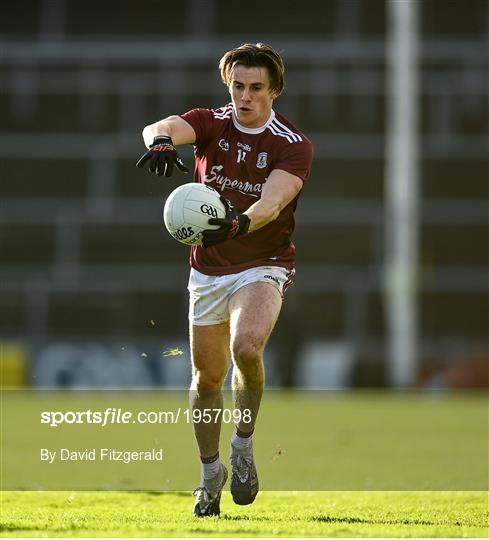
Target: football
{"type": "Point", "coordinates": [188, 209]}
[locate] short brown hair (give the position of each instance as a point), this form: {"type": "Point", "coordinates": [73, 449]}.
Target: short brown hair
{"type": "Point", "coordinates": [259, 55]}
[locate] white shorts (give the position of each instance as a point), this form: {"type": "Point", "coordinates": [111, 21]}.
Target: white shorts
{"type": "Point", "coordinates": [209, 295]}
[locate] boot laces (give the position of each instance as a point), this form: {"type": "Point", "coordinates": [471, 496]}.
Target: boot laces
{"type": "Point", "coordinates": [204, 497]}
{"type": "Point", "coordinates": [242, 466]}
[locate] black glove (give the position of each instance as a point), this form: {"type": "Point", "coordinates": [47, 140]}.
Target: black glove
{"type": "Point", "coordinates": [162, 157]}
{"type": "Point", "coordinates": [234, 224]}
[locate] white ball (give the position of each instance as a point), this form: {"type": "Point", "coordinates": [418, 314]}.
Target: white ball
{"type": "Point", "coordinates": [188, 209]}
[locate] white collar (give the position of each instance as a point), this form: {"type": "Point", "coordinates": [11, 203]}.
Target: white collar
{"type": "Point", "coordinates": [253, 131]}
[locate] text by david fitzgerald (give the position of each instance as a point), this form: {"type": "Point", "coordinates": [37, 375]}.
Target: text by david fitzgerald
{"type": "Point", "coordinates": [101, 454]}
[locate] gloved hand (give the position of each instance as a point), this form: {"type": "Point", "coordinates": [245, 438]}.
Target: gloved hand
{"type": "Point", "coordinates": [234, 224]}
{"type": "Point", "coordinates": [162, 156]}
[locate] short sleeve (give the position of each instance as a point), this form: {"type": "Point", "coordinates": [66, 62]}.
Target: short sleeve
{"type": "Point", "coordinates": [296, 159]}
{"type": "Point", "coordinates": [202, 121]}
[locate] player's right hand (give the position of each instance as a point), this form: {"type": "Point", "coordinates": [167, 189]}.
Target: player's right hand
{"type": "Point", "coordinates": [162, 157]}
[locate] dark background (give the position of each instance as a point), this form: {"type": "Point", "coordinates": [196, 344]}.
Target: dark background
{"type": "Point", "coordinates": [93, 289]}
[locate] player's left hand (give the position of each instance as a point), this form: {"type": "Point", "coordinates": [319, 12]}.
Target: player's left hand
{"type": "Point", "coordinates": [234, 224]}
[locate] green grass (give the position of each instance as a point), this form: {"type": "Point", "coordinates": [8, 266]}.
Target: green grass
{"type": "Point", "coordinates": [384, 448]}
{"type": "Point", "coordinates": [300, 514]}
{"type": "Point", "coordinates": [308, 441]}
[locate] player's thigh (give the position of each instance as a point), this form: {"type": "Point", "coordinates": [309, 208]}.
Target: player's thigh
{"type": "Point", "coordinates": [254, 311]}
{"type": "Point", "coordinates": [209, 347]}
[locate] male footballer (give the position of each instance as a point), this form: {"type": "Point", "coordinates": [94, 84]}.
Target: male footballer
{"type": "Point", "coordinates": [258, 161]}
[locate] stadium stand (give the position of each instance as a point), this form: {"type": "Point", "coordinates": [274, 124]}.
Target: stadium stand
{"type": "Point", "coordinates": [83, 252]}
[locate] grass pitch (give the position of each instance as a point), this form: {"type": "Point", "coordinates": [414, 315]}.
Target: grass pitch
{"type": "Point", "coordinates": [286, 514]}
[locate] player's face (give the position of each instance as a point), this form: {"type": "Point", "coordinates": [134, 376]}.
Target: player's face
{"type": "Point", "coordinates": [251, 95]}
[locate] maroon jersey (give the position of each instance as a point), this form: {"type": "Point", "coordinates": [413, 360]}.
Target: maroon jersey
{"type": "Point", "coordinates": [236, 161]}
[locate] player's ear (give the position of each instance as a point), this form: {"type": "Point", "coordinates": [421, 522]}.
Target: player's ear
{"type": "Point", "coordinates": [274, 94]}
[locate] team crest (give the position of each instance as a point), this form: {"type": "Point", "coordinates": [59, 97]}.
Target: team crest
{"type": "Point", "coordinates": [261, 162]}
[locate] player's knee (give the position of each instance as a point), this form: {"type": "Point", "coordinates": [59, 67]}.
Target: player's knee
{"type": "Point", "coordinates": [247, 353]}
{"type": "Point", "coordinates": [208, 379]}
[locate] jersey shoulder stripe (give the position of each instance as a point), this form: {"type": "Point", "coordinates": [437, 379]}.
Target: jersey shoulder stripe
{"type": "Point", "coordinates": [274, 130]}
{"type": "Point", "coordinates": [224, 112]}
{"type": "Point", "coordinates": [284, 130]}
{"type": "Point", "coordinates": [289, 135]}
{"type": "Point", "coordinates": [288, 130]}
